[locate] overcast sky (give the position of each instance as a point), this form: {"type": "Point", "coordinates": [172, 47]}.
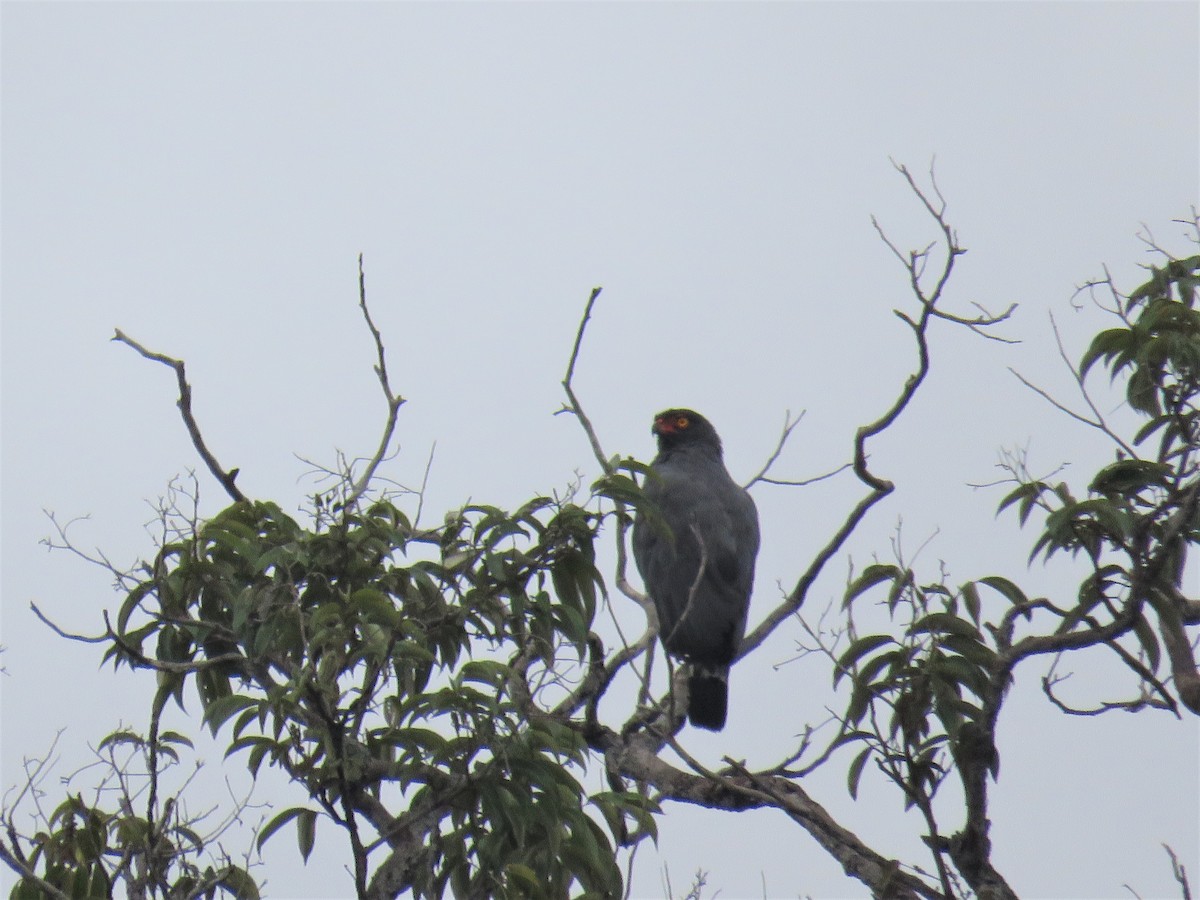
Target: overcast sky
{"type": "Point", "coordinates": [203, 176]}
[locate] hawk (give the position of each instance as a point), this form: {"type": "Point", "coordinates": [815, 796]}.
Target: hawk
{"type": "Point", "coordinates": [697, 557]}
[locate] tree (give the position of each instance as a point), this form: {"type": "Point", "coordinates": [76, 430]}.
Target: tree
{"type": "Point", "coordinates": [435, 692]}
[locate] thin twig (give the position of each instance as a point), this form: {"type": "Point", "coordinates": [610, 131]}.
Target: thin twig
{"type": "Point", "coordinates": [424, 486]}
{"type": "Point", "coordinates": [1055, 403]}
{"type": "Point", "coordinates": [82, 638]}
{"type": "Point", "coordinates": [225, 477]}
{"type": "Point", "coordinates": [574, 407]}
{"type": "Point", "coordinates": [789, 425]}
{"type": "Point", "coordinates": [804, 482]}
{"type": "Point", "coordinates": [1179, 872]}
{"type": "Point", "coordinates": [394, 401]}
{"type": "Point", "coordinates": [1083, 391]}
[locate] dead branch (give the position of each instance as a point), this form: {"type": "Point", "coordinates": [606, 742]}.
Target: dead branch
{"type": "Point", "coordinates": [573, 405]}
{"type": "Point", "coordinates": [635, 755]}
{"type": "Point", "coordinates": [1180, 873]}
{"type": "Point", "coordinates": [394, 401]}
{"type": "Point", "coordinates": [789, 425]}
{"type": "Point", "coordinates": [928, 298]}
{"type": "Point", "coordinates": [225, 476]}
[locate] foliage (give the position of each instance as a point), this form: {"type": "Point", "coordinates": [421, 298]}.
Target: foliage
{"type": "Point", "coordinates": [86, 847]}
{"type": "Point", "coordinates": [368, 670]}
{"type": "Point", "coordinates": [930, 697]}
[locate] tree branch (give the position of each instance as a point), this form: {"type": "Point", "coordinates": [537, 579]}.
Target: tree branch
{"type": "Point", "coordinates": [636, 757]}
{"type": "Point", "coordinates": [225, 477]}
{"type": "Point", "coordinates": [878, 487]}
{"type": "Point", "coordinates": [394, 401]}
{"type": "Point", "coordinates": [573, 405]}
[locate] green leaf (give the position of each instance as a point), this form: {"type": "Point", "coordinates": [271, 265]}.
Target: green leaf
{"type": "Point", "coordinates": [621, 489]}
{"type": "Point", "coordinates": [523, 877]}
{"type": "Point", "coordinates": [306, 832]}
{"type": "Point", "coordinates": [485, 671]}
{"type": "Point", "coordinates": [121, 737]}
{"type": "Point", "coordinates": [1107, 345]}
{"type": "Point", "coordinates": [1130, 476]}
{"type": "Point", "coordinates": [239, 882]}
{"type": "Point", "coordinates": [1005, 588]}
{"type": "Point", "coordinates": [1017, 493]}
{"type": "Point", "coordinates": [971, 648]}
{"type": "Point", "coordinates": [897, 661]}
{"type": "Point", "coordinates": [871, 576]}
{"type": "Point", "coordinates": [860, 701]}
{"type": "Point", "coordinates": [375, 606]}
{"type": "Point", "coordinates": [174, 737]}
{"type": "Point", "coordinates": [856, 651]}
{"type": "Point", "coordinates": [945, 623]}
{"type": "Point", "coordinates": [854, 773]}
{"type": "Point", "coordinates": [278, 822]}
{"type": "Point", "coordinates": [970, 595]}
{"type": "Point", "coordinates": [218, 711]}
{"type": "Point", "coordinates": [1142, 392]}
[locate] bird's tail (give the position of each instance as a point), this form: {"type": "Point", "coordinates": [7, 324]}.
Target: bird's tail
{"type": "Point", "coordinates": [708, 696]}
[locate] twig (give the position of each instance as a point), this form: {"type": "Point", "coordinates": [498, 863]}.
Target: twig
{"type": "Point", "coordinates": [804, 482]}
{"type": "Point", "coordinates": [394, 401]}
{"type": "Point", "coordinates": [1055, 403]}
{"type": "Point", "coordinates": [82, 638]}
{"type": "Point", "coordinates": [123, 579]}
{"type": "Point", "coordinates": [1098, 422]}
{"type": "Point", "coordinates": [878, 488]}
{"type": "Point", "coordinates": [1179, 872]}
{"type": "Point", "coordinates": [631, 651]}
{"type": "Point", "coordinates": [424, 486]}
{"type": "Point", "coordinates": [225, 477]}
{"type": "Point", "coordinates": [789, 425]}
{"type": "Point", "coordinates": [574, 406]}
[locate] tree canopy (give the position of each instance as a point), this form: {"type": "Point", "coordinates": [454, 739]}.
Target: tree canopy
{"type": "Point", "coordinates": [438, 693]}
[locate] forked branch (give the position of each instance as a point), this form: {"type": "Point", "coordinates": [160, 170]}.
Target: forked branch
{"type": "Point", "coordinates": [928, 297]}
{"type": "Point", "coordinates": [573, 405]}
{"type": "Point", "coordinates": [394, 400]}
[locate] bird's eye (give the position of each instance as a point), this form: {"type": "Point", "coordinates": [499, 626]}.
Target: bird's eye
{"type": "Point", "coordinates": [682, 422]}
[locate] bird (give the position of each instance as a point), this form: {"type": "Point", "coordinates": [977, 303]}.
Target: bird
{"type": "Point", "coordinates": [695, 548]}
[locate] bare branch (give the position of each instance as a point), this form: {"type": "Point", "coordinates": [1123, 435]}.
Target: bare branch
{"type": "Point", "coordinates": [789, 425]}
{"type": "Point", "coordinates": [573, 405]}
{"type": "Point", "coordinates": [225, 477]}
{"type": "Point", "coordinates": [394, 401]}
{"type": "Point", "coordinates": [878, 488]}
{"type": "Point", "coordinates": [70, 636]}
{"type": "Point", "coordinates": [1098, 422]}
{"type": "Point", "coordinates": [123, 578]}
{"type": "Point", "coordinates": [984, 320]}
{"type": "Point", "coordinates": [1179, 872]}
{"type": "Point", "coordinates": [1055, 403]}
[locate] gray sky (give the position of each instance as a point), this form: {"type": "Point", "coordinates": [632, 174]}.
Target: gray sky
{"type": "Point", "coordinates": [204, 175]}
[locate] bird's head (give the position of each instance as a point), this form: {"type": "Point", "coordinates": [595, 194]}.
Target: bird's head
{"type": "Point", "coordinates": [676, 428]}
